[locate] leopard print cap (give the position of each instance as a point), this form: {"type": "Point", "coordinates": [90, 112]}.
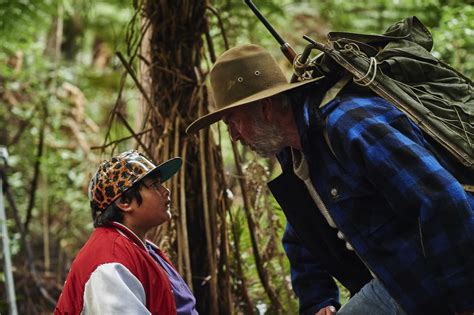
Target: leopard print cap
{"type": "Point", "coordinates": [115, 176]}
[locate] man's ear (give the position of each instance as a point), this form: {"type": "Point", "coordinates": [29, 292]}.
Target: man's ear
{"type": "Point", "coordinates": [125, 206]}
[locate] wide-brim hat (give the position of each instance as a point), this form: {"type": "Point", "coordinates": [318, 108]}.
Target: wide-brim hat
{"type": "Point", "coordinates": [241, 76]}
{"type": "Point", "coordinates": [117, 175]}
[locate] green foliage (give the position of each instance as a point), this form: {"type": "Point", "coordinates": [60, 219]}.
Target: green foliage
{"type": "Point", "coordinates": [451, 23]}
{"type": "Point", "coordinates": [20, 21]}
{"type": "Point", "coordinates": [63, 170]}
{"type": "Point", "coordinates": [64, 98]}
{"type": "Point", "coordinates": [454, 38]}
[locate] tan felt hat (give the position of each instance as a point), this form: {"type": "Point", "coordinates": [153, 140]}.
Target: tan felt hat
{"type": "Point", "coordinates": [240, 76]}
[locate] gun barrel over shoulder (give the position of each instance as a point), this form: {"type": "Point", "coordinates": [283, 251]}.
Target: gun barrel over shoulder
{"type": "Point", "coordinates": [286, 49]}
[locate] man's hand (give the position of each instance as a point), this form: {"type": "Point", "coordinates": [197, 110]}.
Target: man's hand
{"type": "Point", "coordinates": [328, 310]}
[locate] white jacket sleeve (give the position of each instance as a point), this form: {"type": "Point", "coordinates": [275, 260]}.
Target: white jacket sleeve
{"type": "Point", "coordinates": [113, 289]}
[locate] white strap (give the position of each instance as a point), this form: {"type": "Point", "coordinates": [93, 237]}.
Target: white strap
{"type": "Point", "coordinates": [469, 188]}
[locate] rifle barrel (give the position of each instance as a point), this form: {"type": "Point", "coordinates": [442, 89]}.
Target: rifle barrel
{"type": "Point", "coordinates": [286, 49]}
{"type": "Point", "coordinates": [265, 22]}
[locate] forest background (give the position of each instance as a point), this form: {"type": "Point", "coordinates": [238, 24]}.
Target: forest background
{"type": "Point", "coordinates": [81, 80]}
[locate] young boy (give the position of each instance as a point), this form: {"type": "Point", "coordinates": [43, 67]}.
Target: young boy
{"type": "Point", "coordinates": [118, 271]}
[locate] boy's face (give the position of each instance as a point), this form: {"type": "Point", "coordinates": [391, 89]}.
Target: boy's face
{"type": "Point", "coordinates": [155, 207]}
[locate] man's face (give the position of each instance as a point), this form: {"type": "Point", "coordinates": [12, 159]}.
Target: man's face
{"type": "Point", "coordinates": [249, 125]}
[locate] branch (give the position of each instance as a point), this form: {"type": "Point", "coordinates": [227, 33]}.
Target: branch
{"type": "Point", "coordinates": [117, 103]}
{"type": "Point", "coordinates": [240, 272]}
{"type": "Point", "coordinates": [34, 182]}
{"type": "Point", "coordinates": [120, 140]}
{"type": "Point", "coordinates": [139, 86]}
{"type": "Point", "coordinates": [26, 245]}
{"type": "Point", "coordinates": [134, 135]}
{"type": "Point", "coordinates": [23, 126]}
{"type": "Point", "coordinates": [262, 273]}
{"type": "Point", "coordinates": [184, 217]}
{"type": "Point", "coordinates": [221, 27]}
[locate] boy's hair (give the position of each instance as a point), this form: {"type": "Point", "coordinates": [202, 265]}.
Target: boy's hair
{"type": "Point", "coordinates": [113, 212]}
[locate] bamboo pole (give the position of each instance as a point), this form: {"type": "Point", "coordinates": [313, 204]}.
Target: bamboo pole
{"type": "Point", "coordinates": [210, 255]}
{"type": "Point", "coordinates": [175, 199]}
{"type": "Point", "coordinates": [213, 192]}
{"type": "Point", "coordinates": [183, 218]}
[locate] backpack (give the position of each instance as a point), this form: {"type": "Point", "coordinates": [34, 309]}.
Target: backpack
{"type": "Point", "coordinates": [399, 67]}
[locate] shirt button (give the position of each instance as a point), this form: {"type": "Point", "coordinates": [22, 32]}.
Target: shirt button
{"type": "Point", "coordinates": [334, 192]}
{"type": "Point", "coordinates": [340, 235]}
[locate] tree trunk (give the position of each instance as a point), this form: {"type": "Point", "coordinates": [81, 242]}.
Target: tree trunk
{"type": "Point", "coordinates": [196, 234]}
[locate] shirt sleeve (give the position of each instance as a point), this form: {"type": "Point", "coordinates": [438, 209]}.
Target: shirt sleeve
{"type": "Point", "coordinates": [313, 285]}
{"type": "Point", "coordinates": [113, 289]}
{"type": "Point", "coordinates": [375, 139]}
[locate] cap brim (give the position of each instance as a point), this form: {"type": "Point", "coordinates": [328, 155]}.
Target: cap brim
{"type": "Point", "coordinates": [167, 169]}
{"type": "Point", "coordinates": [215, 116]}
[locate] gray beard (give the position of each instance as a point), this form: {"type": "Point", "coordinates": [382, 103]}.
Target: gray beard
{"type": "Point", "coordinates": [268, 139]}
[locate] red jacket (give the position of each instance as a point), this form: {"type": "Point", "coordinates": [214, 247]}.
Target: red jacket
{"type": "Point", "coordinates": [113, 272]}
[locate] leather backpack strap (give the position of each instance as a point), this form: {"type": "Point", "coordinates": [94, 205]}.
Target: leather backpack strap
{"type": "Point", "coordinates": [334, 90]}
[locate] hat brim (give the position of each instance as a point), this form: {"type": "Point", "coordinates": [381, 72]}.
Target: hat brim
{"type": "Point", "coordinates": [215, 116]}
{"type": "Point", "coordinates": [167, 169]}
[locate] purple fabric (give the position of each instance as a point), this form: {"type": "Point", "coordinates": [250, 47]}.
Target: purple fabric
{"type": "Point", "coordinates": [185, 301]}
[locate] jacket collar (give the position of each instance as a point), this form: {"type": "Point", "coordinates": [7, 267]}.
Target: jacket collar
{"type": "Point", "coordinates": [298, 108]}
{"type": "Point", "coordinates": [305, 108]}
{"type": "Point", "coordinates": [125, 231]}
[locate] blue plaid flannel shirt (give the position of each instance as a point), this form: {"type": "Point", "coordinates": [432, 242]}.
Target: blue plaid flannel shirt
{"type": "Point", "coordinates": [401, 209]}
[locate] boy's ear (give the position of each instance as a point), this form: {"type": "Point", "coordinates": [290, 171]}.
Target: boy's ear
{"type": "Point", "coordinates": [123, 205]}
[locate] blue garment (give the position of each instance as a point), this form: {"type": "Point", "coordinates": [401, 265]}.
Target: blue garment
{"type": "Point", "coordinates": [185, 301]}
{"type": "Point", "coordinates": [408, 219]}
{"type": "Point", "coordinates": [372, 299]}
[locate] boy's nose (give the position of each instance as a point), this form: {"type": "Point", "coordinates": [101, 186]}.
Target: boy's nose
{"type": "Point", "coordinates": [165, 191]}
